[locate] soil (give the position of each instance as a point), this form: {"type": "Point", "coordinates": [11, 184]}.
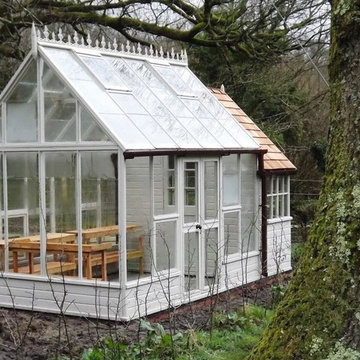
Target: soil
{"type": "Point", "coordinates": [26, 335]}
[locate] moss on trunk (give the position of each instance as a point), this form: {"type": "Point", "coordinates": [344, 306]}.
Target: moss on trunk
{"type": "Point", "coordinates": [321, 307]}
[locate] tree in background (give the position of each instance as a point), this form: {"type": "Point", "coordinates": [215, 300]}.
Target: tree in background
{"type": "Point", "coordinates": [319, 316]}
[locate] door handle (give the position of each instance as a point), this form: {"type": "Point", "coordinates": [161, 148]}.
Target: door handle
{"type": "Point", "coordinates": [198, 227]}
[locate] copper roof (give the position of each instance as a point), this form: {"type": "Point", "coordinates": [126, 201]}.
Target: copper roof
{"type": "Point", "coordinates": [274, 160]}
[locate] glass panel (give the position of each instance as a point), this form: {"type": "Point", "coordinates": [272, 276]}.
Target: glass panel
{"type": "Point", "coordinates": [191, 260]}
{"type": "Point", "coordinates": [191, 192]}
{"type": "Point", "coordinates": [165, 234]}
{"type": "Point", "coordinates": [100, 209]}
{"type": "Point", "coordinates": [1, 108]}
{"type": "Point", "coordinates": [138, 213]}
{"type": "Point", "coordinates": [60, 108]}
{"type": "Point", "coordinates": [211, 257]}
{"type": "Point", "coordinates": [172, 78]}
{"type": "Point", "coordinates": [103, 71]}
{"type": "Point", "coordinates": [230, 167]}
{"type": "Point", "coordinates": [23, 209]}
{"type": "Point", "coordinates": [209, 122]}
{"type": "Point", "coordinates": [249, 214]}
{"type": "Point", "coordinates": [90, 130]}
{"type": "Point", "coordinates": [153, 132]}
{"type": "Point", "coordinates": [164, 185]}
{"type": "Point", "coordinates": [209, 101]}
{"type": "Point", "coordinates": [154, 106]}
{"type": "Point", "coordinates": [281, 205]}
{"type": "Point", "coordinates": [211, 190]}
{"type": "Point", "coordinates": [231, 232]}
{"type": "Point", "coordinates": [21, 109]}
{"type": "Point", "coordinates": [61, 213]}
{"type": "Point", "coordinates": [128, 103]}
{"type": "Point", "coordinates": [286, 205]}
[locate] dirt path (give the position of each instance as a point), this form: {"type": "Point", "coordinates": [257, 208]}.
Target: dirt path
{"type": "Point", "coordinates": [26, 335]}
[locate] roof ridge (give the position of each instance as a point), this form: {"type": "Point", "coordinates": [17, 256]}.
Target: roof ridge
{"type": "Point", "coordinates": [128, 48]}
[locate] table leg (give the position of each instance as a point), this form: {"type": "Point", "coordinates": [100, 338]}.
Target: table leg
{"type": "Point", "coordinates": [15, 261]}
{"type": "Point", "coordinates": [103, 265]}
{"type": "Point", "coordinates": [88, 267]}
{"type": "Point", "coordinates": [31, 263]}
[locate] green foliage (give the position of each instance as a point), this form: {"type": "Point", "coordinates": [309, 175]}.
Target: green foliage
{"type": "Point", "coordinates": [297, 249]}
{"type": "Point", "coordinates": [233, 337]}
{"type": "Point", "coordinates": [277, 292]}
{"type": "Point", "coordinates": [342, 353]}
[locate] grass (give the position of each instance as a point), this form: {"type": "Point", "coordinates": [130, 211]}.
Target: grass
{"type": "Point", "coordinates": [232, 337]}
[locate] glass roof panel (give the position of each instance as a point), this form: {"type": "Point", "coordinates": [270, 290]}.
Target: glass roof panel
{"type": "Point", "coordinates": [103, 71]}
{"type": "Point", "coordinates": [221, 134]}
{"type": "Point", "coordinates": [154, 106]}
{"type": "Point", "coordinates": [173, 79]}
{"type": "Point", "coordinates": [153, 131]}
{"type": "Point", "coordinates": [128, 103]}
{"type": "Point", "coordinates": [216, 108]}
{"type": "Point", "coordinates": [127, 133]}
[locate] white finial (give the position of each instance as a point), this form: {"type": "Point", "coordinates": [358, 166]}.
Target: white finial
{"type": "Point", "coordinates": [76, 38]}
{"type": "Point", "coordinates": [128, 46]}
{"type": "Point", "coordinates": [122, 47]}
{"type": "Point", "coordinates": [115, 44]}
{"type": "Point", "coordinates": [46, 33]}
{"type": "Point", "coordinates": [103, 42]}
{"type": "Point", "coordinates": [53, 36]}
{"type": "Point", "coordinates": [96, 43]}
{"type": "Point", "coordinates": [172, 53]}
{"type": "Point", "coordinates": [151, 51]}
{"type": "Point", "coordinates": [222, 88]}
{"type": "Point", "coordinates": [33, 40]}
{"type": "Point", "coordinates": [167, 55]}
{"type": "Point", "coordinates": [185, 56]}
{"type": "Point", "coordinates": [161, 51]}
{"type": "Point", "coordinates": [138, 49]}
{"type": "Point", "coordinates": [69, 39]}
{"type": "Point", "coordinates": [156, 53]}
{"type": "Point", "coordinates": [146, 51]}
{"type": "Point", "coordinates": [60, 35]}
{"type": "Point", "coordinates": [89, 39]}
{"type": "Point", "coordinates": [82, 41]}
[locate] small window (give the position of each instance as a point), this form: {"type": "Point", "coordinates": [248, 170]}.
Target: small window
{"type": "Point", "coordinates": [171, 180]}
{"type": "Point", "coordinates": [278, 196]}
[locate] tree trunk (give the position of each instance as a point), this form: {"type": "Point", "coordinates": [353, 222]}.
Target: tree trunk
{"type": "Point", "coordinates": [320, 313]}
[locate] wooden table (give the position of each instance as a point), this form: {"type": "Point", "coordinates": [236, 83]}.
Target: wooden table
{"type": "Point", "coordinates": [102, 231]}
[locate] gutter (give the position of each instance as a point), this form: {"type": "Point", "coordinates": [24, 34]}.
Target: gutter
{"type": "Point", "coordinates": [130, 154]}
{"type": "Point", "coordinates": [263, 250]}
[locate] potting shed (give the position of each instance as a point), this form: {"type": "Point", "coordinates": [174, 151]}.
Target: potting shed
{"type": "Point", "coordinates": [128, 187]}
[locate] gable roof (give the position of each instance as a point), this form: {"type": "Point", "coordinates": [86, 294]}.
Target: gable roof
{"type": "Point", "coordinates": [146, 101]}
{"type": "Point", "coordinates": [274, 160]}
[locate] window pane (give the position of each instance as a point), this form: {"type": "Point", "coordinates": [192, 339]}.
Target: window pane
{"type": "Point", "coordinates": [249, 215]}
{"type": "Point", "coordinates": [164, 185]}
{"type": "Point", "coordinates": [90, 130]}
{"type": "Point", "coordinates": [61, 212]}
{"type": "Point", "coordinates": [23, 207]}
{"type": "Point", "coordinates": [21, 109]}
{"type": "Point", "coordinates": [165, 234]}
{"type": "Point", "coordinates": [230, 180]}
{"type": "Point", "coordinates": [60, 108]}
{"type": "Point", "coordinates": [211, 257]}
{"type": "Point", "coordinates": [191, 192]}
{"type": "Point", "coordinates": [232, 232]}
{"type": "Point", "coordinates": [191, 260]}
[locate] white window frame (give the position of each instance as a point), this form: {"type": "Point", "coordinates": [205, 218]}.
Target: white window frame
{"type": "Point", "coordinates": [278, 196]}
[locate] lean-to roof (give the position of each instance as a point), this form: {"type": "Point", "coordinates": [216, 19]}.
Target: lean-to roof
{"type": "Point", "coordinates": [274, 160]}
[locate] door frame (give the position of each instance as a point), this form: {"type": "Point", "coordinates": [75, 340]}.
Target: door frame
{"type": "Point", "coordinates": [190, 227]}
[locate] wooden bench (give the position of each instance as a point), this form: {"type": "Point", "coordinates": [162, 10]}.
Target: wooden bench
{"type": "Point", "coordinates": [52, 268]}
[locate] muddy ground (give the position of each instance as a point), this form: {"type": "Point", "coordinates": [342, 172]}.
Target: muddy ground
{"type": "Point", "coordinates": [26, 335]}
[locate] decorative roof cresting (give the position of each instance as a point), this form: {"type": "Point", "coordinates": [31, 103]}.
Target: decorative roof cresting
{"type": "Point", "coordinates": [106, 46]}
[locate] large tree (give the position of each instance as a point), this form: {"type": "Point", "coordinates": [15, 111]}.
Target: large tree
{"type": "Point", "coordinates": [251, 28]}
{"type": "Point", "coordinates": [319, 317]}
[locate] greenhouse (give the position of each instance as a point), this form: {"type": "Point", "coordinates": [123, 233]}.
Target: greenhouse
{"type": "Point", "coordinates": [128, 187]}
